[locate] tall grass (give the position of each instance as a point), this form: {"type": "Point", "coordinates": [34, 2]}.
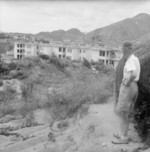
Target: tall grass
{"type": "Point", "coordinates": [67, 97]}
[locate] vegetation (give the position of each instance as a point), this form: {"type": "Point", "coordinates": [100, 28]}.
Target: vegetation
{"type": "Point", "coordinates": [142, 107]}
{"type": "Point", "coordinates": [44, 84]}
{"type": "Point", "coordinates": [86, 63]}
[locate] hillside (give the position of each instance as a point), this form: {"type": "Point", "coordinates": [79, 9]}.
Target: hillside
{"type": "Point", "coordinates": [128, 29]}
{"type": "Point", "coordinates": [134, 29]}
{"type": "Point", "coordinates": [72, 34]}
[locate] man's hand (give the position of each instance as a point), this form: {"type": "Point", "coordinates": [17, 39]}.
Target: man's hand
{"type": "Point", "coordinates": [128, 79]}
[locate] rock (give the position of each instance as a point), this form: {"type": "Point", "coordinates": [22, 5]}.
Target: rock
{"type": "Point", "coordinates": [7, 118]}
{"type": "Point", "coordinates": [51, 137]}
{"type": "Point", "coordinates": [13, 84]}
{"type": "Point", "coordinates": [104, 145]}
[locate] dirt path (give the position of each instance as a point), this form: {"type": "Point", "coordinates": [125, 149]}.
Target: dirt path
{"type": "Point", "coordinates": [93, 133]}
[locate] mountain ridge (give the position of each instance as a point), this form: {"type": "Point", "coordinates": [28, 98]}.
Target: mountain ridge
{"type": "Point", "coordinates": [129, 29]}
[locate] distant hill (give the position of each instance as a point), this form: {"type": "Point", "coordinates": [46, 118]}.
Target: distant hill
{"type": "Point", "coordinates": [128, 29]}
{"type": "Point", "coordinates": [135, 29]}
{"type": "Point", "coordinates": [72, 34]}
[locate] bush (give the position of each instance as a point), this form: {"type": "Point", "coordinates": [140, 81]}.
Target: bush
{"type": "Point", "coordinates": [12, 66]}
{"type": "Point", "coordinates": [59, 63]}
{"type": "Point", "coordinates": [1, 83]}
{"type": "Point", "coordinates": [142, 107]}
{"type": "Point", "coordinates": [44, 56]}
{"type": "Point", "coordinates": [86, 63]}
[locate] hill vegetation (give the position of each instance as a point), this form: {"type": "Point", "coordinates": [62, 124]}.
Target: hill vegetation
{"type": "Point", "coordinates": [63, 86]}
{"type": "Point", "coordinates": [72, 34]}
{"type": "Point", "coordinates": [129, 29]}
{"type": "Point", "coordinates": [133, 29]}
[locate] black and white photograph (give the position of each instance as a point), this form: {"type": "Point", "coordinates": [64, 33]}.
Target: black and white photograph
{"type": "Point", "coordinates": [74, 75]}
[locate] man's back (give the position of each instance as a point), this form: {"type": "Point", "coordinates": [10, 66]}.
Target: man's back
{"type": "Point", "coordinates": [133, 64]}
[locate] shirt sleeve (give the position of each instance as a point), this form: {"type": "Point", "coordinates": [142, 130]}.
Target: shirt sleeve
{"type": "Point", "coordinates": [130, 66]}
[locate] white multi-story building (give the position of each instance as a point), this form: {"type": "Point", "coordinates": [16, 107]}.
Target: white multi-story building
{"type": "Point", "coordinates": [22, 50]}
{"type": "Point", "coordinates": [108, 56]}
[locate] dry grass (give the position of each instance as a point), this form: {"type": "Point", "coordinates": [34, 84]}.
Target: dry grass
{"type": "Point", "coordinates": [69, 93]}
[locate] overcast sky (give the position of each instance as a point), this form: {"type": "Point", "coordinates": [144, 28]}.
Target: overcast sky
{"type": "Point", "coordinates": [37, 16]}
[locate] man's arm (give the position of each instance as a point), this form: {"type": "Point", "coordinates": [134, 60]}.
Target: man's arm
{"type": "Point", "coordinates": [129, 78]}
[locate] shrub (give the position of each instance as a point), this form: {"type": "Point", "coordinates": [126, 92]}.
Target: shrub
{"type": "Point", "coordinates": [142, 107]}
{"type": "Point", "coordinates": [68, 102]}
{"type": "Point", "coordinates": [86, 63]}
{"type": "Point", "coordinates": [12, 66]}
{"type": "Point", "coordinates": [59, 63]}
{"type": "Point", "coordinates": [1, 83]}
{"type": "Point", "coordinates": [44, 56]}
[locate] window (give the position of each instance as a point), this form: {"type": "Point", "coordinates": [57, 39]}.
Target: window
{"type": "Point", "coordinates": [107, 53]}
{"type": "Point", "coordinates": [18, 56]}
{"type": "Point", "coordinates": [59, 56]}
{"type": "Point", "coordinates": [18, 51]}
{"type": "Point", "coordinates": [102, 53]}
{"type": "Point", "coordinates": [59, 49]}
{"type": "Point", "coordinates": [17, 45]}
{"type": "Point", "coordinates": [111, 62]}
{"type": "Point", "coordinates": [69, 50]}
{"type": "Point", "coordinates": [64, 49]}
{"type": "Point", "coordinates": [21, 56]}
{"type": "Point", "coordinates": [106, 62]}
{"type": "Point", "coordinates": [101, 61]}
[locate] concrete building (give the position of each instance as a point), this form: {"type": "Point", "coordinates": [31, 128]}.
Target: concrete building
{"type": "Point", "coordinates": [22, 50]}
{"type": "Point", "coordinates": [108, 56]}
{"type": "Point", "coordinates": [46, 49]}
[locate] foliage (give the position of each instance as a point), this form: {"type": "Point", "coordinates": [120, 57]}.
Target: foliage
{"type": "Point", "coordinates": [72, 95]}
{"type": "Point", "coordinates": [86, 63]}
{"type": "Point", "coordinates": [59, 63]}
{"type": "Point", "coordinates": [44, 56]}
{"type": "Point", "coordinates": [142, 107]}
{"type": "Point", "coordinates": [12, 66]}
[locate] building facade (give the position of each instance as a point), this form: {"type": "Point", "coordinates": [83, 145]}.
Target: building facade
{"type": "Point", "coordinates": [107, 56]}
{"type": "Point", "coordinates": [22, 50]}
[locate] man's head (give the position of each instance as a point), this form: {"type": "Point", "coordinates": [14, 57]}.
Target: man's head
{"type": "Point", "coordinates": [127, 49]}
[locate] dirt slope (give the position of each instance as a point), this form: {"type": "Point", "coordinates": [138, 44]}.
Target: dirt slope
{"type": "Point", "coordinates": [92, 133]}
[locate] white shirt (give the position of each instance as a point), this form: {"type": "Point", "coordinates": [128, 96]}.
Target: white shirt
{"type": "Point", "coordinates": [132, 64]}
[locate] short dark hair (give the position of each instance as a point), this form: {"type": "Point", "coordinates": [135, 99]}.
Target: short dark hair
{"type": "Point", "coordinates": [127, 44]}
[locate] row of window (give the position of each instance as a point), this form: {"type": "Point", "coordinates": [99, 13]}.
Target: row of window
{"type": "Point", "coordinates": [20, 45]}
{"type": "Point", "coordinates": [61, 56]}
{"type": "Point", "coordinates": [69, 50]}
{"type": "Point", "coordinates": [62, 49]}
{"type": "Point", "coordinates": [20, 51]}
{"type": "Point", "coordinates": [111, 62]}
{"type": "Point", "coordinates": [103, 53]}
{"type": "Point", "coordinates": [69, 57]}
{"type": "Point", "coordinates": [82, 51]}
{"type": "Point", "coordinates": [19, 56]}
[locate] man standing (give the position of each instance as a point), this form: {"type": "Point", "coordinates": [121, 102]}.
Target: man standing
{"type": "Point", "coordinates": [127, 74]}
